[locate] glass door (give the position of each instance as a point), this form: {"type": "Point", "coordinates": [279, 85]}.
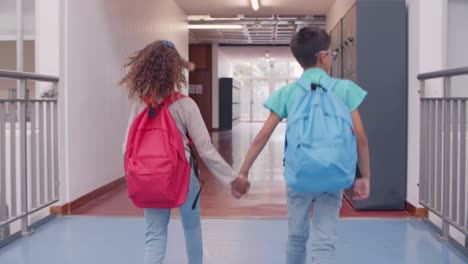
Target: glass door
{"type": "Point", "coordinates": [260, 93]}
{"type": "Point", "coordinates": [246, 100]}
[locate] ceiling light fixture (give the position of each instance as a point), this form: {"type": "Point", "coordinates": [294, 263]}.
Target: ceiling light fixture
{"type": "Point", "coordinates": [255, 4]}
{"type": "Point", "coordinates": [267, 56]}
{"type": "Point", "coordinates": [214, 26]}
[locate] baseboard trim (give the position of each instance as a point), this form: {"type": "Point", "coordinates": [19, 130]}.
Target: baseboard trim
{"type": "Point", "coordinates": [416, 212]}
{"type": "Point", "coordinates": [68, 208]}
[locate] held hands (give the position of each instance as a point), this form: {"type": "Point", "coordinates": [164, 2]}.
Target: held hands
{"type": "Point", "coordinates": [240, 186]}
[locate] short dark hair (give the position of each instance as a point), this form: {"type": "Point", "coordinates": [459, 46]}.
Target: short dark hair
{"type": "Point", "coordinates": [306, 43]}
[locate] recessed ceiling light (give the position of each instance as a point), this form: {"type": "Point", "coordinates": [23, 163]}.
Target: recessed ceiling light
{"type": "Point", "coordinates": [214, 26]}
{"type": "Point", "coordinates": [255, 4]}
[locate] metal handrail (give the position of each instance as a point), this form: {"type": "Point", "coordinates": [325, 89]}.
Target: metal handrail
{"type": "Point", "coordinates": [443, 73]}
{"type": "Point", "coordinates": [443, 153]}
{"type": "Point", "coordinates": [27, 100]}
{"type": "Point", "coordinates": [28, 76]}
{"type": "Point", "coordinates": [44, 123]}
{"type": "Point", "coordinates": [27, 214]}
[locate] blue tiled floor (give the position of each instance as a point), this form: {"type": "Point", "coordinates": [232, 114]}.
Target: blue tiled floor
{"type": "Point", "coordinates": [89, 240]}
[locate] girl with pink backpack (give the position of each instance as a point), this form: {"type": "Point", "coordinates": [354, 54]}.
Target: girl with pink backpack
{"type": "Point", "coordinates": [160, 168]}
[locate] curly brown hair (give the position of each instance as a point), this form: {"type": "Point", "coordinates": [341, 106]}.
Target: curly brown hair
{"type": "Point", "coordinates": [155, 72]}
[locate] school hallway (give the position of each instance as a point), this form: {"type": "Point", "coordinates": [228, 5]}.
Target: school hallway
{"type": "Point", "coordinates": [64, 115]}
{"type": "Point", "coordinates": [266, 198]}
{"type": "Point", "coordinates": [110, 229]}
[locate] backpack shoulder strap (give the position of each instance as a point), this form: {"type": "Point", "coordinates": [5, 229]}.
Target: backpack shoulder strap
{"type": "Point", "coordinates": [154, 110]}
{"type": "Point", "coordinates": [330, 84]}
{"type": "Point", "coordinates": [196, 170]}
{"type": "Point", "coordinates": [304, 83]}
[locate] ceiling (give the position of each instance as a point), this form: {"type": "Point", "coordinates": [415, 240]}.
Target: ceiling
{"type": "Point", "coordinates": [223, 8]}
{"type": "Point", "coordinates": [272, 30]}
{"type": "Point", "coordinates": [246, 54]}
{"type": "Point", "coordinates": [273, 24]}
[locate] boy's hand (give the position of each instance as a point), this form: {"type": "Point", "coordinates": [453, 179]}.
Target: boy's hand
{"type": "Point", "coordinates": [361, 189]}
{"type": "Point", "coordinates": [240, 186]}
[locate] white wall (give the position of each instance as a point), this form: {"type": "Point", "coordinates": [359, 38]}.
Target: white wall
{"type": "Point", "coordinates": [47, 41]}
{"type": "Point", "coordinates": [337, 11]}
{"type": "Point", "coordinates": [224, 65]}
{"type": "Point", "coordinates": [96, 38]}
{"type": "Point", "coordinates": [426, 53]}
{"type": "Point", "coordinates": [457, 54]}
{"type": "Point", "coordinates": [412, 192]}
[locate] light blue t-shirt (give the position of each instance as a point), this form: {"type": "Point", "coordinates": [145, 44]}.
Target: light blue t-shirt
{"type": "Point", "coordinates": [282, 100]}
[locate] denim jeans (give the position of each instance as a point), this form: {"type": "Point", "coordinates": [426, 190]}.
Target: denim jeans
{"type": "Point", "coordinates": [156, 229]}
{"type": "Point", "coordinates": [323, 228]}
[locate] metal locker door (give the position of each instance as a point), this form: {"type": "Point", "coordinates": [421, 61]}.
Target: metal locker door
{"type": "Point", "coordinates": [349, 42]}
{"type": "Point", "coordinates": [337, 70]}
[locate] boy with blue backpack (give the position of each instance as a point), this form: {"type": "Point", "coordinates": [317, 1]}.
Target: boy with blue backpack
{"type": "Point", "coordinates": [325, 140]}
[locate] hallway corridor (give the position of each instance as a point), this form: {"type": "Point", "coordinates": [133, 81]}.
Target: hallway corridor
{"type": "Point", "coordinates": [252, 230]}
{"type": "Point", "coordinates": [267, 196]}
{"type": "Point", "coordinates": [71, 72]}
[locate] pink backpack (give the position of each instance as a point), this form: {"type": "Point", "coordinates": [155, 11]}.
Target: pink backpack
{"type": "Point", "coordinates": [156, 168]}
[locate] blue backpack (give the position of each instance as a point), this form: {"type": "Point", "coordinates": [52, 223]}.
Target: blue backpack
{"type": "Point", "coordinates": [320, 148]}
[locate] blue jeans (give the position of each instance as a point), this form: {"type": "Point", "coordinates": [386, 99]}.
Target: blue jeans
{"type": "Point", "coordinates": [323, 229]}
{"type": "Point", "coordinates": [156, 229]}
